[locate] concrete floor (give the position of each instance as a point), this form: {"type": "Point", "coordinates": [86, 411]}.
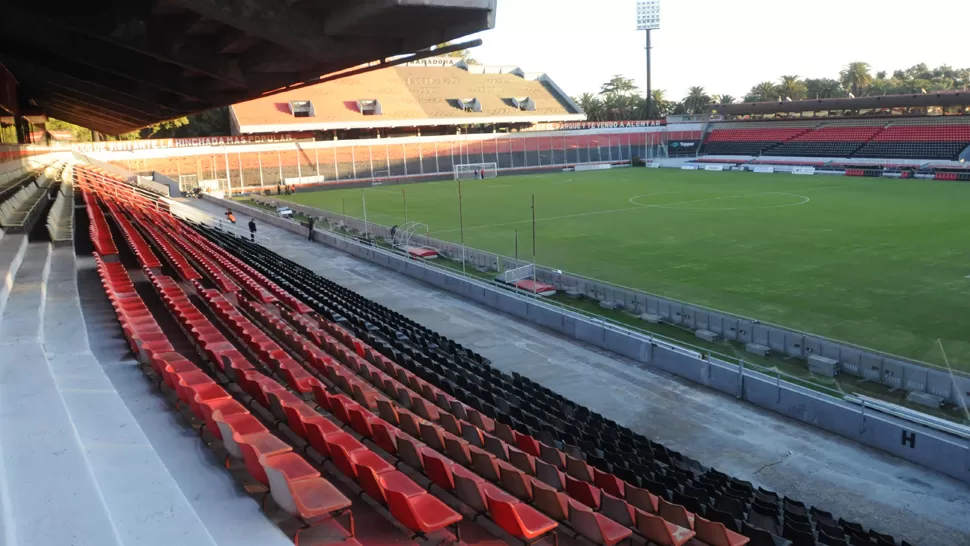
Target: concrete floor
{"type": "Point", "coordinates": [854, 482]}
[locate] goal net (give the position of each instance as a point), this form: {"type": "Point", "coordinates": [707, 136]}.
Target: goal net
{"type": "Point", "coordinates": [519, 274]}
{"type": "Point", "coordinates": [473, 171]}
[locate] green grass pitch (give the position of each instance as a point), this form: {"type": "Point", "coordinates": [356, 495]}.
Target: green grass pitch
{"type": "Point", "coordinates": [877, 262]}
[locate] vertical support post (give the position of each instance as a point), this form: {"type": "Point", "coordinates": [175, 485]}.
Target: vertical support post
{"type": "Point", "coordinates": [279, 164]}
{"type": "Point", "coordinates": [511, 153]}
{"type": "Point", "coordinates": [437, 166]}
{"type": "Point", "coordinates": [387, 159]}
{"type": "Point", "coordinates": [363, 201]}
{"type": "Point", "coordinates": [316, 161]}
{"type": "Point", "coordinates": [299, 169]}
{"type": "Point", "coordinates": [404, 195]}
{"type": "Point", "coordinates": [259, 160]}
{"type": "Point", "coordinates": [461, 227]}
{"type": "Point", "coordinates": [225, 156]}
{"type": "Point", "coordinates": [353, 160]}
{"type": "Point", "coordinates": [336, 167]}
{"type": "Point", "coordinates": [370, 155]}
{"type": "Point", "coordinates": [649, 89]}
{"type": "Point", "coordinates": [421, 157]}
{"type": "Point", "coordinates": [609, 148]}
{"type": "Point", "coordinates": [740, 379]}
{"type": "Point", "coordinates": [404, 150]}
{"type": "Point", "coordinates": [242, 183]}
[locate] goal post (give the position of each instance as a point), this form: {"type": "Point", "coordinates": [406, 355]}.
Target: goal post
{"type": "Point", "coordinates": [519, 274]}
{"type": "Point", "coordinates": [473, 171]}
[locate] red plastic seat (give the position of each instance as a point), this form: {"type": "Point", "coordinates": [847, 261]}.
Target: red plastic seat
{"type": "Point", "coordinates": [300, 491]}
{"type": "Point", "coordinates": [438, 469]}
{"type": "Point", "coordinates": [230, 426]}
{"type": "Point", "coordinates": [422, 514]}
{"type": "Point", "coordinates": [661, 532]}
{"type": "Point", "coordinates": [385, 436]}
{"type": "Point", "coordinates": [596, 527]}
{"type": "Point", "coordinates": [608, 483]}
{"type": "Point", "coordinates": [583, 492]}
{"type": "Point", "coordinates": [716, 534]}
{"type": "Point", "coordinates": [515, 481]}
{"type": "Point", "coordinates": [675, 513]}
{"type": "Point", "coordinates": [519, 519]}
{"type": "Point", "coordinates": [255, 446]}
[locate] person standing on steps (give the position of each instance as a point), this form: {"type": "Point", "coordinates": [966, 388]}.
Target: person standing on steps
{"type": "Point", "coordinates": [252, 229]}
{"type": "Point", "coordinates": [310, 225]}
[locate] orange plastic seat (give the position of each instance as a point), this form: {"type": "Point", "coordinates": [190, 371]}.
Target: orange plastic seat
{"type": "Point", "coordinates": [255, 446]}
{"type": "Point", "coordinates": [422, 514]}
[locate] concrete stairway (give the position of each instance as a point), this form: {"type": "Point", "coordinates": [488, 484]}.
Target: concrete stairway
{"type": "Point", "coordinates": [76, 466]}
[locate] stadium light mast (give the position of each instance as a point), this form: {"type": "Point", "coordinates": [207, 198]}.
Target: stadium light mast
{"type": "Point", "coordinates": [648, 18]}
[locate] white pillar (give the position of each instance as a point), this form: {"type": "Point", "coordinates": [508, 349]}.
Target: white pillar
{"type": "Point", "coordinates": [336, 169]}
{"type": "Point", "coordinates": [353, 160]}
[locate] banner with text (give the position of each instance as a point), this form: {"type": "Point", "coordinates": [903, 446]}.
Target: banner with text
{"type": "Point", "coordinates": [683, 147]}
{"type": "Point", "coordinates": [128, 145]}
{"type": "Point", "coordinates": [581, 125]}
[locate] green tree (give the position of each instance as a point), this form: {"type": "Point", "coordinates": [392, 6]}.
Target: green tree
{"type": "Point", "coordinates": [791, 87]}
{"type": "Point", "coordinates": [723, 99]}
{"type": "Point", "coordinates": [856, 77]}
{"type": "Point", "coordinates": [823, 88]}
{"type": "Point", "coordinates": [618, 85]}
{"type": "Point", "coordinates": [696, 100]}
{"type": "Point", "coordinates": [764, 91]}
{"type": "Point", "coordinates": [592, 105]}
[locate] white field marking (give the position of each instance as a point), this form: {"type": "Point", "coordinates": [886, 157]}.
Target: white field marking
{"type": "Point", "coordinates": [675, 205]}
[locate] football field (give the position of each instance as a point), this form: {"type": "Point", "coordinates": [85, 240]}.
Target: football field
{"type": "Point", "coordinates": [877, 262]}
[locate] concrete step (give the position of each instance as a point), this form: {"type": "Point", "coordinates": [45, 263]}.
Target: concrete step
{"type": "Point", "coordinates": [46, 483]}
{"type": "Point", "coordinates": [24, 310]}
{"type": "Point", "coordinates": [12, 248]}
{"type": "Point", "coordinates": [160, 483]}
{"type": "Point", "coordinates": [143, 501]}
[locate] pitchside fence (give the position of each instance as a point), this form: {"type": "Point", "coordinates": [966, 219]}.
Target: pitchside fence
{"type": "Point", "coordinates": [910, 437]}
{"type": "Point", "coordinates": [887, 369]}
{"type": "Point", "coordinates": [250, 167]}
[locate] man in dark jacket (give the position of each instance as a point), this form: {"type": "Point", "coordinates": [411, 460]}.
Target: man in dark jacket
{"type": "Point", "coordinates": [252, 229]}
{"type": "Point", "coordinates": [310, 225]}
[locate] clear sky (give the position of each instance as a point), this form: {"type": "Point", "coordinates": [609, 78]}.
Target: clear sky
{"type": "Point", "coordinates": [726, 47]}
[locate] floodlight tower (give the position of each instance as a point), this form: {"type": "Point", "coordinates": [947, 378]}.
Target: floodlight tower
{"type": "Point", "coordinates": [648, 18]}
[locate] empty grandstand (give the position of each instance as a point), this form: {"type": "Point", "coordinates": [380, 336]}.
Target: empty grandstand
{"type": "Point", "coordinates": [412, 99]}
{"type": "Point", "coordinates": [171, 375]}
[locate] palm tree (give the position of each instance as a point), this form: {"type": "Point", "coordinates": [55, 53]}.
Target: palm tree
{"type": "Point", "coordinates": [696, 100]}
{"type": "Point", "coordinates": [792, 87]}
{"type": "Point", "coordinates": [618, 85]}
{"type": "Point", "coordinates": [723, 99]}
{"type": "Point", "coordinates": [823, 88]}
{"type": "Point", "coordinates": [659, 105]}
{"type": "Point", "coordinates": [764, 91]}
{"type": "Point", "coordinates": [592, 105]}
{"type": "Point", "coordinates": [856, 77]}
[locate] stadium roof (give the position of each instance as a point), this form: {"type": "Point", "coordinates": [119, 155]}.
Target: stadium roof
{"type": "Point", "coordinates": [412, 96]}
{"type": "Point", "coordinates": [935, 99]}
{"type": "Point", "coordinates": [118, 65]}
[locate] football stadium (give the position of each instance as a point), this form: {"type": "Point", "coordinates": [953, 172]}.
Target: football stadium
{"type": "Point", "coordinates": [314, 274]}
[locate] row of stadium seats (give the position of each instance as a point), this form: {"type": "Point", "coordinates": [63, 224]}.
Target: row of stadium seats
{"type": "Point", "coordinates": [883, 139]}
{"type": "Point", "coordinates": [511, 450]}
{"type": "Point", "coordinates": [556, 444]}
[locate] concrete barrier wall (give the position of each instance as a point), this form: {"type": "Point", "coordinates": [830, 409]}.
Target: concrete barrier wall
{"type": "Point", "coordinates": [930, 448]}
